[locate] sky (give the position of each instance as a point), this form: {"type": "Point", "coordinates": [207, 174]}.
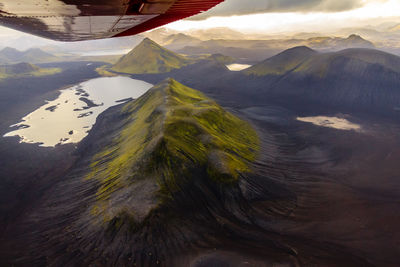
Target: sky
{"type": "Point", "coordinates": [276, 16]}
{"type": "Point", "coordinates": [287, 16]}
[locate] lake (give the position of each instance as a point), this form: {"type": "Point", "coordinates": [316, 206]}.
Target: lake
{"type": "Point", "coordinates": [70, 117]}
{"type": "Point", "coordinates": [237, 67]}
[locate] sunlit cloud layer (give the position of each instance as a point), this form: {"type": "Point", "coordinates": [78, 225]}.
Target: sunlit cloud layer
{"type": "Point", "coordinates": [369, 12]}
{"type": "Point", "coordinates": [281, 16]}
{"type": "Point", "coordinates": [241, 7]}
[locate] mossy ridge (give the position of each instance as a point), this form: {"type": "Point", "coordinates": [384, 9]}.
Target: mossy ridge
{"type": "Point", "coordinates": [170, 132]}
{"type": "Point", "coordinates": [117, 159]}
{"type": "Point", "coordinates": [225, 133]}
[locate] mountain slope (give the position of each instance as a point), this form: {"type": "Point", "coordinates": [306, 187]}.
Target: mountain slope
{"type": "Point", "coordinates": [149, 57]}
{"type": "Point", "coordinates": [282, 63]}
{"type": "Point", "coordinates": [350, 61]}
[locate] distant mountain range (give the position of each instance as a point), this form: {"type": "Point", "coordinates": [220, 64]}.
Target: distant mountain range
{"type": "Point", "coordinates": [34, 55]}
{"type": "Point", "coordinates": [252, 50]}
{"type": "Point", "coordinates": [149, 57]}
{"type": "Point", "coordinates": [162, 35]}
{"type": "Point", "coordinates": [337, 43]}
{"type": "Point", "coordinates": [353, 78]}
{"type": "Point", "coordinates": [25, 42]}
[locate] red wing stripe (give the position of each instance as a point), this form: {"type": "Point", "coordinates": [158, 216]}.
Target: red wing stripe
{"type": "Point", "coordinates": [179, 10]}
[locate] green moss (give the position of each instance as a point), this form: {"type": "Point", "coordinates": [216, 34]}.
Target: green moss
{"type": "Point", "coordinates": [170, 133]}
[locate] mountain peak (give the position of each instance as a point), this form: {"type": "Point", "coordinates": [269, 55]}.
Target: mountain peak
{"type": "Point", "coordinates": [9, 52]}
{"type": "Point", "coordinates": [149, 57]}
{"type": "Point", "coordinates": [300, 49]}
{"type": "Point", "coordinates": [356, 41]}
{"type": "Point", "coordinates": [147, 40]}
{"type": "Point", "coordinates": [282, 62]}
{"type": "Point", "coordinates": [354, 36]}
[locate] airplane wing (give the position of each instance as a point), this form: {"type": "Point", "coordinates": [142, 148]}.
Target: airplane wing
{"type": "Point", "coordinates": [76, 20]}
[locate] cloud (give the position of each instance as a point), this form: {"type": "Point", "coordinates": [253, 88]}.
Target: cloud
{"type": "Point", "coordinates": [244, 7]}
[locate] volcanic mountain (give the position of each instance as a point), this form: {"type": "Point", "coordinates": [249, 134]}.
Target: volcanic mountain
{"type": "Point", "coordinates": [169, 133]}
{"type": "Point", "coordinates": [149, 57]}
{"type": "Point", "coordinates": [173, 148]}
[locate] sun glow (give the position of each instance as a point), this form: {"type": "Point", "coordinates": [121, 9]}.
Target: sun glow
{"type": "Point", "coordinates": [372, 12]}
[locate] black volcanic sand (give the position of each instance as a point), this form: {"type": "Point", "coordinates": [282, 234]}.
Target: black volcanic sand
{"type": "Point", "coordinates": [27, 170]}
{"type": "Point", "coordinates": [350, 198]}
{"type": "Point", "coordinates": [317, 197]}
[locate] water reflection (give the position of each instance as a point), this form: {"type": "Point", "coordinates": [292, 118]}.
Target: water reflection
{"type": "Point", "coordinates": [237, 67]}
{"type": "Point", "coordinates": [69, 118]}
{"type": "Point", "coordinates": [104, 52]}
